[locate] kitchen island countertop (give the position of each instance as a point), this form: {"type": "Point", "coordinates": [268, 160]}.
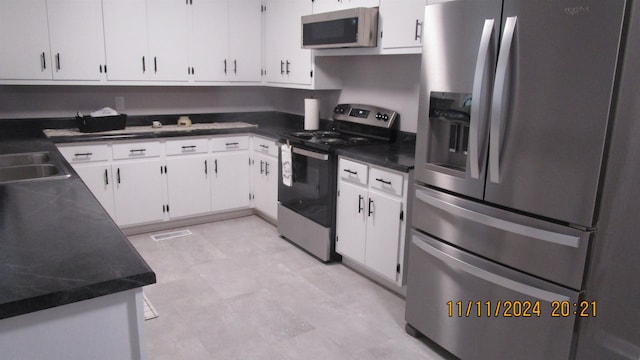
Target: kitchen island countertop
{"type": "Point", "coordinates": [57, 244]}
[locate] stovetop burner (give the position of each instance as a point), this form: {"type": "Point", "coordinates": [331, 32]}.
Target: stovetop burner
{"type": "Point", "coordinates": [302, 134]}
{"type": "Point", "coordinates": [327, 133]}
{"type": "Point", "coordinates": [332, 141]}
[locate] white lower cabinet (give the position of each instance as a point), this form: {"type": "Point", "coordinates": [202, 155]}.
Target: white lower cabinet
{"type": "Point", "coordinates": [99, 179]}
{"type": "Point", "coordinates": [264, 176]}
{"type": "Point", "coordinates": [188, 185]}
{"type": "Point", "coordinates": [230, 178]}
{"type": "Point", "coordinates": [138, 191]}
{"type": "Point", "coordinates": [370, 220]}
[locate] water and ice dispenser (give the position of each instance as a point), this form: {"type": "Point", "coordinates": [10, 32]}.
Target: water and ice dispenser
{"type": "Point", "coordinates": [449, 125]}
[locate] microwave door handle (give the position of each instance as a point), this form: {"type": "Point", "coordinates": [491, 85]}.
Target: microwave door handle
{"type": "Point", "coordinates": [499, 101]}
{"type": "Point", "coordinates": [479, 97]}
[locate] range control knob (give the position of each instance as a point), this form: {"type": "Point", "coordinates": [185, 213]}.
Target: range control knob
{"type": "Point", "coordinates": [385, 117]}
{"type": "Point", "coordinates": [379, 116]}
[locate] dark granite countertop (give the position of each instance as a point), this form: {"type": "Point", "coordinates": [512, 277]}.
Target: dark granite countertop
{"type": "Point", "coordinates": [397, 156]}
{"type": "Point", "coordinates": [57, 244]}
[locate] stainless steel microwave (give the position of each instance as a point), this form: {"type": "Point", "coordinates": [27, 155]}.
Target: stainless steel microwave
{"type": "Point", "coordinates": [356, 27]}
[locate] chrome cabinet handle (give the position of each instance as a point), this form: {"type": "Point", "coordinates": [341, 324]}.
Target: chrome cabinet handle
{"type": "Point", "coordinates": [479, 97]}
{"type": "Point", "coordinates": [499, 102]}
{"type": "Point", "coordinates": [118, 175]}
{"type": "Point", "coordinates": [350, 171]}
{"type": "Point", "coordinates": [57, 61]}
{"type": "Point", "coordinates": [215, 166]}
{"type": "Point", "coordinates": [488, 276]}
{"type": "Point", "coordinates": [418, 26]}
{"type": "Point", "coordinates": [43, 61]}
{"type": "Point", "coordinates": [281, 66]}
{"type": "Point", "coordinates": [225, 66]}
{"type": "Point", "coordinates": [370, 202]}
{"type": "Point", "coordinates": [266, 168]}
{"type": "Point", "coordinates": [144, 67]}
{"type": "Point", "coordinates": [83, 154]}
{"type": "Point", "coordinates": [232, 144]}
{"type": "Point", "coordinates": [206, 171]}
{"type": "Point", "coordinates": [106, 177]}
{"type": "Point", "coordinates": [235, 66]}
{"type": "Point", "coordinates": [155, 64]}
{"type": "Point", "coordinates": [137, 151]}
{"type": "Point", "coordinates": [261, 167]}
{"type": "Point", "coordinates": [188, 148]}
{"type": "Point", "coordinates": [384, 181]}
{"type": "Point", "coordinates": [288, 63]}
{"type": "Point", "coordinates": [360, 203]}
{"type": "Point", "coordinates": [264, 146]}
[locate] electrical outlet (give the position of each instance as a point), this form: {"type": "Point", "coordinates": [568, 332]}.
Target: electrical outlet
{"type": "Point", "coordinates": [119, 104]}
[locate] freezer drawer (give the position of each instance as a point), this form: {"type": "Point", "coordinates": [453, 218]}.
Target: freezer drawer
{"type": "Point", "coordinates": [541, 248]}
{"type": "Point", "coordinates": [477, 309]}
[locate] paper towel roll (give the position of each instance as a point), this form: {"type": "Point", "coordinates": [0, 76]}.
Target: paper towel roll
{"type": "Point", "coordinates": [311, 114]}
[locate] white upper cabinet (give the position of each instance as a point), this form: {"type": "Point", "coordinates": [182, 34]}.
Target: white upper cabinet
{"type": "Point", "coordinates": [146, 40]}
{"type": "Point", "coordinates": [286, 61]}
{"type": "Point", "coordinates": [76, 54]}
{"type": "Point", "coordinates": [27, 26]}
{"type": "Point", "coordinates": [402, 22]}
{"type": "Point", "coordinates": [226, 40]}
{"type": "Point", "coordinates": [245, 40]}
{"type": "Point", "coordinates": [320, 6]}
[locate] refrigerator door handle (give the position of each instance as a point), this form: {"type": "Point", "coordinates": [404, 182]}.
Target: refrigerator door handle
{"type": "Point", "coordinates": [497, 223]}
{"type": "Point", "coordinates": [499, 101]}
{"type": "Point", "coordinates": [479, 96]}
{"type": "Point", "coordinates": [488, 276]}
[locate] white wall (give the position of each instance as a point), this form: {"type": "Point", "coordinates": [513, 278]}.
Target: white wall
{"type": "Point", "coordinates": [390, 81]}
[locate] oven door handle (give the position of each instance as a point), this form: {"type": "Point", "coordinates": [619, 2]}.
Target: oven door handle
{"type": "Point", "coordinates": [311, 154]}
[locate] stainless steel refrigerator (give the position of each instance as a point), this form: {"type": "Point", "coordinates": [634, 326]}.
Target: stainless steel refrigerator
{"type": "Point", "coordinates": [515, 106]}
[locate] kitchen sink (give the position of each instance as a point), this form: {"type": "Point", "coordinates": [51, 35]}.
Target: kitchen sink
{"type": "Point", "coordinates": [24, 159]}
{"type": "Point", "coordinates": [30, 166]}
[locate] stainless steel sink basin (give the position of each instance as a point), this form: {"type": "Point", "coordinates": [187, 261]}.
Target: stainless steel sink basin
{"type": "Point", "coordinates": [24, 159]}
{"type": "Point", "coordinates": [30, 166]}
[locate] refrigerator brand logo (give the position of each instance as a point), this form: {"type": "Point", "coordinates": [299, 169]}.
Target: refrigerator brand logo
{"type": "Point", "coordinates": [577, 10]}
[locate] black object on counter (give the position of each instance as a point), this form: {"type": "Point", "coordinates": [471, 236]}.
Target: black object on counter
{"type": "Point", "coordinates": [89, 124]}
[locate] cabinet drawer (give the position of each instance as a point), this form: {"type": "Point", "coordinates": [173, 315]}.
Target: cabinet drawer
{"type": "Point", "coordinates": [265, 146]}
{"type": "Point", "coordinates": [352, 171]}
{"type": "Point", "coordinates": [385, 181]}
{"type": "Point", "coordinates": [85, 153]}
{"type": "Point", "coordinates": [230, 143]}
{"type": "Point", "coordinates": [187, 146]}
{"type": "Point", "coordinates": [136, 150]}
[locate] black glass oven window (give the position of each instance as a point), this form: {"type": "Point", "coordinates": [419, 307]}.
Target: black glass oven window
{"type": "Point", "coordinates": [331, 32]}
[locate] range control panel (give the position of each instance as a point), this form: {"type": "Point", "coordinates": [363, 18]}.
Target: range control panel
{"type": "Point", "coordinates": [365, 114]}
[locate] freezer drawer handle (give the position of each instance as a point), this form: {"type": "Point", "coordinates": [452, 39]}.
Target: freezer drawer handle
{"type": "Point", "coordinates": [479, 98]}
{"type": "Point", "coordinates": [528, 231]}
{"type": "Point", "coordinates": [499, 102]}
{"type": "Point", "coordinates": [485, 275]}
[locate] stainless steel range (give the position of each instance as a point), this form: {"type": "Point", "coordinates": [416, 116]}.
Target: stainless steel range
{"type": "Point", "coordinates": [307, 209]}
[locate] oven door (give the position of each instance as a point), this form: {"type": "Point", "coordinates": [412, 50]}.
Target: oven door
{"type": "Point", "coordinates": [310, 193]}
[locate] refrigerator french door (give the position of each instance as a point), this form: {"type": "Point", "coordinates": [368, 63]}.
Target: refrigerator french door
{"type": "Point", "coordinates": [515, 100]}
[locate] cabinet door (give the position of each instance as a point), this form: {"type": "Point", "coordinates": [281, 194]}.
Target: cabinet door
{"type": "Point", "coordinates": [265, 185]}
{"type": "Point", "coordinates": [245, 40]}
{"type": "Point", "coordinates": [76, 55]}
{"type": "Point", "coordinates": [168, 42]}
{"type": "Point", "coordinates": [138, 191]}
{"type": "Point", "coordinates": [351, 215]}
{"type": "Point", "coordinates": [383, 234]}
{"type": "Point", "coordinates": [402, 23]}
{"type": "Point", "coordinates": [125, 36]}
{"type": "Point", "coordinates": [230, 180]}
{"type": "Point", "coordinates": [188, 185]}
{"type": "Point", "coordinates": [286, 61]}
{"type": "Point", "coordinates": [271, 187]}
{"type": "Point", "coordinates": [24, 40]}
{"type": "Point", "coordinates": [209, 39]}
{"type": "Point", "coordinates": [99, 180]}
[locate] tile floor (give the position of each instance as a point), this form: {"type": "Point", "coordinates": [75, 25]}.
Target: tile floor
{"type": "Point", "coordinates": [235, 290]}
